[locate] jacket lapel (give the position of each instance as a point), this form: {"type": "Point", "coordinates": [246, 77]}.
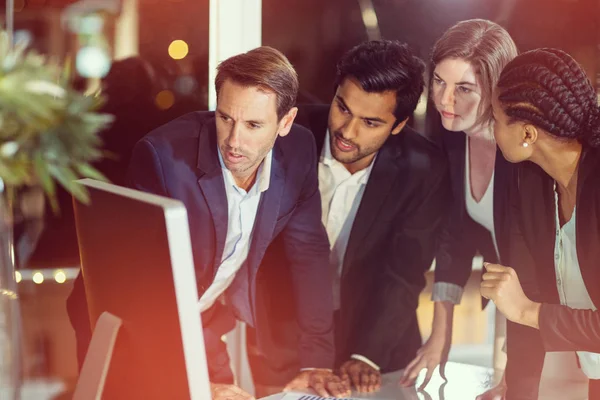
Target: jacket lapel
{"type": "Point", "coordinates": [268, 211]}
{"type": "Point", "coordinates": [454, 143]}
{"type": "Point", "coordinates": [539, 221]}
{"type": "Point", "coordinates": [212, 186]}
{"type": "Point", "coordinates": [384, 173]}
{"type": "Point", "coordinates": [502, 181]}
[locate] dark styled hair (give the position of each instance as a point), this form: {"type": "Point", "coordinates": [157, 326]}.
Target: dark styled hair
{"type": "Point", "coordinates": [265, 68]}
{"type": "Point", "coordinates": [549, 89]}
{"type": "Point", "coordinates": [385, 65]}
{"type": "Point", "coordinates": [486, 46]}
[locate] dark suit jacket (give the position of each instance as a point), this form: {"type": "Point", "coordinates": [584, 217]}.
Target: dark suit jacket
{"type": "Point", "coordinates": [462, 237]}
{"type": "Point", "coordinates": [532, 240]}
{"type": "Point", "coordinates": [180, 160]}
{"type": "Point", "coordinates": [391, 245]}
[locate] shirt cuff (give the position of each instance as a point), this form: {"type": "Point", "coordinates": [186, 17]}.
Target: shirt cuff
{"type": "Point", "coordinates": [312, 369]}
{"type": "Point", "coordinates": [444, 291]}
{"type": "Point", "coordinates": [364, 359]}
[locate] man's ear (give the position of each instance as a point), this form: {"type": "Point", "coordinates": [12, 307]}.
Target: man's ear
{"type": "Point", "coordinates": [287, 121]}
{"type": "Point", "coordinates": [399, 127]}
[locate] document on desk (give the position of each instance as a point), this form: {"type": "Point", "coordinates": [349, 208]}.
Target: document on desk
{"type": "Point", "coordinates": [291, 396]}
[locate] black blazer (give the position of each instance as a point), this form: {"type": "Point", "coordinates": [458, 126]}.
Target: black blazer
{"type": "Point", "coordinates": [180, 160]}
{"type": "Point", "coordinates": [391, 245]}
{"type": "Point", "coordinates": [462, 237]}
{"type": "Point", "coordinates": [532, 240]}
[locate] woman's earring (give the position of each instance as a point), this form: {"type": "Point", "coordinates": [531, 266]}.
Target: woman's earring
{"type": "Point", "coordinates": [525, 144]}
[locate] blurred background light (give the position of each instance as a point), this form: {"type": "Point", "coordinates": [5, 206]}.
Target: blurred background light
{"type": "Point", "coordinates": [92, 62]}
{"type": "Point", "coordinates": [178, 49]}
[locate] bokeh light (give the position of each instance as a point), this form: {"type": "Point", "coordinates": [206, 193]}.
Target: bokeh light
{"type": "Point", "coordinates": [164, 99]}
{"type": "Point", "coordinates": [178, 49]}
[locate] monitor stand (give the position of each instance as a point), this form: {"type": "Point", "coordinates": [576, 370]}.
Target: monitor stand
{"type": "Point", "coordinates": [92, 377]}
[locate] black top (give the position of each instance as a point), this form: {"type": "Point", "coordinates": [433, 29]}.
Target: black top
{"type": "Point", "coordinates": [532, 241]}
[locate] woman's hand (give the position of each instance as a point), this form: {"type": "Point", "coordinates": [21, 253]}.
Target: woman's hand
{"type": "Point", "coordinates": [501, 285]}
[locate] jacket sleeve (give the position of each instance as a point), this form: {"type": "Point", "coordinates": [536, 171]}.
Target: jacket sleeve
{"type": "Point", "coordinates": [307, 248]}
{"type": "Point", "coordinates": [566, 329]}
{"type": "Point", "coordinates": [454, 256]}
{"type": "Point", "coordinates": [410, 253]}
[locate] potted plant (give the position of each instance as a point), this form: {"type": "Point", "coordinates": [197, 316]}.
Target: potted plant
{"type": "Point", "coordinates": [48, 136]}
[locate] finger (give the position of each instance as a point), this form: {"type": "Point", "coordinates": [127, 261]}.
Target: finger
{"type": "Point", "coordinates": [364, 382]}
{"type": "Point", "coordinates": [412, 377]}
{"type": "Point", "coordinates": [412, 364]}
{"type": "Point", "coordinates": [344, 369]}
{"type": "Point", "coordinates": [373, 381]}
{"type": "Point", "coordinates": [428, 376]}
{"type": "Point", "coordinates": [495, 267]}
{"type": "Point", "coordinates": [443, 371]}
{"type": "Point", "coordinates": [490, 284]}
{"type": "Point", "coordinates": [345, 378]}
{"type": "Point", "coordinates": [499, 276]}
{"type": "Point", "coordinates": [319, 387]}
{"type": "Point", "coordinates": [410, 374]}
{"type": "Point", "coordinates": [355, 377]}
{"type": "Point", "coordinates": [337, 389]}
{"type": "Point", "coordinates": [344, 390]}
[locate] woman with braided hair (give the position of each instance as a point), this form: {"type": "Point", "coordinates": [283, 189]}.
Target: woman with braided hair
{"type": "Point", "coordinates": [546, 112]}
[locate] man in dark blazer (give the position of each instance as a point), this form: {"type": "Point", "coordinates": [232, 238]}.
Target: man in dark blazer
{"type": "Point", "coordinates": [246, 175]}
{"type": "Point", "coordinates": [384, 191]}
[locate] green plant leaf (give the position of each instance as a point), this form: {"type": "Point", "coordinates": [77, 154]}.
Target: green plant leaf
{"type": "Point", "coordinates": [87, 171]}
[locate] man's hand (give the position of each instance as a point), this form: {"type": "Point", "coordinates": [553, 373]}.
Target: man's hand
{"type": "Point", "coordinates": [433, 353]}
{"type": "Point", "coordinates": [322, 381]}
{"type": "Point", "coordinates": [228, 392]}
{"type": "Point", "coordinates": [361, 375]}
{"type": "Point", "coordinates": [501, 285]}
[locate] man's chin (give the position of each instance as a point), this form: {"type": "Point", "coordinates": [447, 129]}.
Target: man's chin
{"type": "Point", "coordinates": [345, 158]}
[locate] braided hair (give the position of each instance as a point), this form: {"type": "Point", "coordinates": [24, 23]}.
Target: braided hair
{"type": "Point", "coordinates": [549, 89]}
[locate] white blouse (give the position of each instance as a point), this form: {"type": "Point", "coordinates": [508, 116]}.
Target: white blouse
{"type": "Point", "coordinates": [570, 284]}
{"type": "Point", "coordinates": [481, 212]}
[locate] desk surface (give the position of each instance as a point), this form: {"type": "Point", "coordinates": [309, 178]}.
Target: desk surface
{"type": "Point", "coordinates": [465, 382]}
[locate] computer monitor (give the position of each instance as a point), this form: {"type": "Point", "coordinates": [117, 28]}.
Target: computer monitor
{"type": "Point", "coordinates": [137, 265]}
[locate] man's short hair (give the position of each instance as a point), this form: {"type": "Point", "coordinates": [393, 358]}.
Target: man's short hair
{"type": "Point", "coordinates": [385, 65]}
{"type": "Point", "coordinates": [265, 68]}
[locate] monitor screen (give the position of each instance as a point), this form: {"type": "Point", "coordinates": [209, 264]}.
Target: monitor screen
{"type": "Point", "coordinates": [136, 261]}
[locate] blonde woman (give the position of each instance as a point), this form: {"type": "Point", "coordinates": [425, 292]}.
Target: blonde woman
{"type": "Point", "coordinates": [466, 63]}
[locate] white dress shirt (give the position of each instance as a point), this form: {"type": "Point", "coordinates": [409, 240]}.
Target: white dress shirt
{"type": "Point", "coordinates": [570, 284]}
{"type": "Point", "coordinates": [341, 193]}
{"type": "Point", "coordinates": [242, 207]}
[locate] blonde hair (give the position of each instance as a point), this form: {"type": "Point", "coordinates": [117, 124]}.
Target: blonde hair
{"type": "Point", "coordinates": [486, 46]}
